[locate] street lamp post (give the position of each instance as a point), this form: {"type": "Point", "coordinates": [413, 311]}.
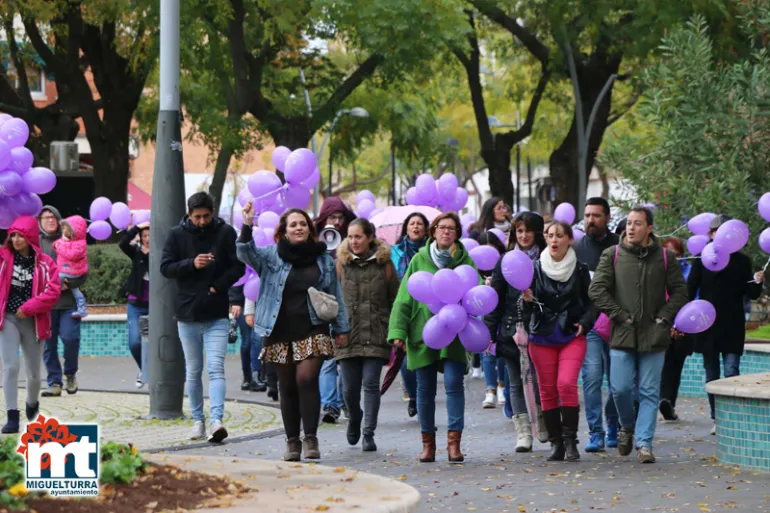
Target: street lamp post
{"type": "Point", "coordinates": [358, 112]}
{"type": "Point", "coordinates": [495, 123]}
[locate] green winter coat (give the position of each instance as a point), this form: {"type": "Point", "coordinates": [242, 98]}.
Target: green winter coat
{"type": "Point", "coordinates": [409, 316]}
{"type": "Point", "coordinates": [635, 287]}
{"type": "Point", "coordinates": [369, 286]}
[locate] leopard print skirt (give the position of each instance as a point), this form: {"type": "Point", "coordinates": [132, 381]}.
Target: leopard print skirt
{"type": "Point", "coordinates": [287, 352]}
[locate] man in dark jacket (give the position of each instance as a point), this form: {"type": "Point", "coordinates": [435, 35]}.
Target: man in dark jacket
{"type": "Point", "coordinates": [597, 361]}
{"type": "Point", "coordinates": [250, 363]}
{"type": "Point", "coordinates": [641, 291]}
{"type": "Point", "coordinates": [333, 212]}
{"type": "Point", "coordinates": [725, 290]}
{"type": "Point", "coordinates": [62, 323]}
{"type": "Point", "coordinates": [200, 255]}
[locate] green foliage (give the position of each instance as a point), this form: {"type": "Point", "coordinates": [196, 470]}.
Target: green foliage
{"type": "Point", "coordinates": [11, 472]}
{"type": "Point", "coordinates": [705, 140]}
{"type": "Point", "coordinates": [120, 463]}
{"type": "Point", "coordinates": [108, 271]}
{"type": "Point", "coordinates": [762, 332]}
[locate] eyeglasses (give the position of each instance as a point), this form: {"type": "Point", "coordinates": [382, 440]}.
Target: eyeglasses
{"type": "Point", "coordinates": [503, 208]}
{"type": "Point", "coordinates": [445, 228]}
{"type": "Point", "coordinates": [47, 218]}
{"type": "Point", "coordinates": [337, 217]}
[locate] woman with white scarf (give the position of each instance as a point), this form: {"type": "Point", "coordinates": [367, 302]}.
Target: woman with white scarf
{"type": "Point", "coordinates": [561, 315]}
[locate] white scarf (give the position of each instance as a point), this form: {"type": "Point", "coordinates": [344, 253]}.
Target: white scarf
{"type": "Point", "coordinates": [559, 271]}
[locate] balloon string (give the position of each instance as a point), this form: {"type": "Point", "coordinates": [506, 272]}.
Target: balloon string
{"type": "Point", "coordinates": [672, 233]}
{"type": "Point", "coordinates": [279, 189]}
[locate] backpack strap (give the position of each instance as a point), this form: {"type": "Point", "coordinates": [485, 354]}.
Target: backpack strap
{"type": "Point", "coordinates": [615, 260]}
{"type": "Point", "coordinates": [339, 269]}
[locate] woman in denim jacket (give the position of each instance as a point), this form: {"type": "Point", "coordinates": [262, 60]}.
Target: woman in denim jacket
{"type": "Point", "coordinates": [295, 341]}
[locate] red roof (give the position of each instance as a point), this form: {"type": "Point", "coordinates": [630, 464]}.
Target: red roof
{"type": "Point", "coordinates": [138, 199]}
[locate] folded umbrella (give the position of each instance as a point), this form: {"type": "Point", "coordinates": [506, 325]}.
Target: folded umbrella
{"type": "Point", "coordinates": [397, 360]}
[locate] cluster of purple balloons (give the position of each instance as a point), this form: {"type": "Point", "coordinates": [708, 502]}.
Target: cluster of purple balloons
{"type": "Point", "coordinates": [457, 300]}
{"type": "Point", "coordinates": [366, 205]}
{"type": "Point", "coordinates": [730, 237]}
{"type": "Point", "coordinates": [764, 211]}
{"type": "Point", "coordinates": [444, 193]}
{"type": "Point", "coordinates": [20, 183]}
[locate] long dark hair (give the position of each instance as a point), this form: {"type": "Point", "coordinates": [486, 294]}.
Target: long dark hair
{"type": "Point", "coordinates": [487, 218]}
{"type": "Point", "coordinates": [404, 227]}
{"type": "Point", "coordinates": [533, 223]}
{"type": "Point", "coordinates": [490, 239]}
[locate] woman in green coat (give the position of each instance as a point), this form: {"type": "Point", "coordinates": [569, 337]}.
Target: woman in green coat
{"type": "Point", "coordinates": [443, 251]}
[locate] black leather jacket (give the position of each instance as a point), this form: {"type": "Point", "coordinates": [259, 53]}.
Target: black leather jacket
{"type": "Point", "coordinates": [502, 320]}
{"type": "Point", "coordinates": [566, 303]}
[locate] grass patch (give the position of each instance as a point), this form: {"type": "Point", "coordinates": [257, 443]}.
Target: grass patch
{"type": "Point", "coordinates": [762, 332]}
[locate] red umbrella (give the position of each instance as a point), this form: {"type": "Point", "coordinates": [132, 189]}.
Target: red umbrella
{"type": "Point", "coordinates": [397, 359]}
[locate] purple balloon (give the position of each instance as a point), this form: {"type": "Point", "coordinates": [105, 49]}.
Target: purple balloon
{"type": "Point", "coordinates": [21, 160]}
{"type": "Point", "coordinates": [731, 236]}
{"type": "Point", "coordinates": [518, 269]}
{"type": "Point", "coordinates": [714, 260]}
{"type": "Point", "coordinates": [435, 335]}
{"type": "Point", "coordinates": [695, 317]}
{"type": "Point", "coordinates": [268, 220]}
{"type": "Point", "coordinates": [244, 197]}
{"type": "Point", "coordinates": [280, 154]}
{"type": "Point", "coordinates": [564, 212]}
{"type": "Point", "coordinates": [500, 235]}
{"type": "Point", "coordinates": [7, 215]}
{"type": "Point", "coordinates": [260, 239]}
{"type": "Point", "coordinates": [447, 187]}
{"type": "Point", "coordinates": [411, 196]}
{"type": "Point", "coordinates": [10, 184]}
{"type": "Point", "coordinates": [14, 132]}
{"type": "Point", "coordinates": [365, 195]}
{"type": "Point", "coordinates": [365, 207]}
{"type": "Point", "coordinates": [100, 210]}
{"type": "Point", "coordinates": [251, 288]}
{"type": "Point", "coordinates": [475, 336]}
{"type": "Point", "coordinates": [243, 279]}
{"type": "Point", "coordinates": [100, 230]}
{"type": "Point", "coordinates": [426, 188]}
{"type": "Point", "coordinates": [764, 240]}
{"type": "Point", "coordinates": [764, 206]}
{"type": "Point", "coordinates": [696, 243]}
{"type": "Point", "coordinates": [453, 318]}
{"type": "Point", "coordinates": [419, 287]}
{"type": "Point", "coordinates": [701, 224]}
{"type": "Point", "coordinates": [485, 257]}
{"type": "Point", "coordinates": [469, 244]}
{"type": "Point", "coordinates": [237, 218]}
{"type": "Point", "coordinates": [269, 235]}
{"type": "Point", "coordinates": [264, 183]}
{"type": "Point", "coordinates": [461, 199]}
{"type": "Point", "coordinates": [296, 197]}
{"type": "Point", "coordinates": [578, 234]}
{"type": "Point", "coordinates": [39, 180]}
{"type": "Point", "coordinates": [141, 216]}
{"type": "Point", "coordinates": [5, 156]}
{"type": "Point", "coordinates": [5, 117]}
{"type": "Point", "coordinates": [469, 277]}
{"type": "Point", "coordinates": [435, 308]}
{"type": "Point", "coordinates": [480, 300]}
{"type": "Point", "coordinates": [375, 213]}
{"type": "Point", "coordinates": [120, 217]}
{"type": "Point", "coordinates": [444, 286]}
{"type": "Point", "coordinates": [300, 164]}
{"type": "Point", "coordinates": [312, 181]}
{"type": "Point", "coordinates": [493, 349]}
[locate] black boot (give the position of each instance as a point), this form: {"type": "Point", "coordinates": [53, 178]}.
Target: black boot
{"type": "Point", "coordinates": [553, 425]}
{"type": "Point", "coordinates": [13, 423]}
{"type": "Point", "coordinates": [32, 411]}
{"type": "Point", "coordinates": [570, 416]}
{"type": "Point", "coordinates": [246, 383]}
{"type": "Point", "coordinates": [411, 409]}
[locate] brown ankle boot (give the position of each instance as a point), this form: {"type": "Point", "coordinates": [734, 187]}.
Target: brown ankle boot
{"type": "Point", "coordinates": [293, 449]}
{"type": "Point", "coordinates": [310, 446]}
{"type": "Point", "coordinates": [428, 448]}
{"type": "Point", "coordinates": [453, 446]}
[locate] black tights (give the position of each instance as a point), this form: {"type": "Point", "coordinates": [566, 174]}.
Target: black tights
{"type": "Point", "coordinates": [300, 395]}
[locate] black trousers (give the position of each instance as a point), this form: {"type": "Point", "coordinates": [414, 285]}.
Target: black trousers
{"type": "Point", "coordinates": [671, 375]}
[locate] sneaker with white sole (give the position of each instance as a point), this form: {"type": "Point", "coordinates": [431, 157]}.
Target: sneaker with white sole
{"type": "Point", "coordinates": [139, 381]}
{"type": "Point", "coordinates": [477, 374]}
{"type": "Point", "coordinates": [198, 430]}
{"type": "Point", "coordinates": [500, 395]}
{"type": "Point", "coordinates": [714, 429]}
{"type": "Point", "coordinates": [490, 400]}
{"type": "Point", "coordinates": [218, 432]}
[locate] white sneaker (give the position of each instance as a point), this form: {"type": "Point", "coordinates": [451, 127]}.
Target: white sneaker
{"type": "Point", "coordinates": [198, 430]}
{"type": "Point", "coordinates": [477, 373]}
{"type": "Point", "coordinates": [218, 432]}
{"type": "Point", "coordinates": [139, 380]}
{"type": "Point", "coordinates": [489, 400]}
{"type": "Point", "coordinates": [500, 395]}
{"type": "Point", "coordinates": [714, 429]}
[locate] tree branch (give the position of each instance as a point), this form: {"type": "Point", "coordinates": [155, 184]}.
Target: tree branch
{"type": "Point", "coordinates": [354, 186]}
{"type": "Point", "coordinates": [624, 109]}
{"type": "Point", "coordinates": [14, 110]}
{"type": "Point", "coordinates": [41, 48]}
{"type": "Point", "coordinates": [527, 38]}
{"type": "Point", "coordinates": [472, 70]}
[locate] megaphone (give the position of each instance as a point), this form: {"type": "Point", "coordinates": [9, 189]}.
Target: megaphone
{"type": "Point", "coordinates": [331, 237]}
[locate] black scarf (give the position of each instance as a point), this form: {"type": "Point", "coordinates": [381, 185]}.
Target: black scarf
{"type": "Point", "coordinates": [302, 254]}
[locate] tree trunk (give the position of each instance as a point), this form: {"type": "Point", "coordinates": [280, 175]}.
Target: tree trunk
{"type": "Point", "coordinates": [109, 150]}
{"type": "Point", "coordinates": [220, 175]}
{"type": "Point", "coordinates": [499, 164]}
{"type": "Point", "coordinates": [564, 161]}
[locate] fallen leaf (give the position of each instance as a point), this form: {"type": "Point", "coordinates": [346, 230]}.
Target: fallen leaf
{"type": "Point", "coordinates": [339, 470]}
{"type": "Point", "coordinates": [402, 477]}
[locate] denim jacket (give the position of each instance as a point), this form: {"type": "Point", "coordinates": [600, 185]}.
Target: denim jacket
{"type": "Point", "coordinates": [273, 271]}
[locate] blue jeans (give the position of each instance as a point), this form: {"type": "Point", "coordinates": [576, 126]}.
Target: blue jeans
{"type": "Point", "coordinates": [330, 383]}
{"type": "Point", "coordinates": [249, 362]}
{"type": "Point", "coordinates": [135, 336]}
{"type": "Point", "coordinates": [645, 368]}
{"type": "Point", "coordinates": [79, 297]}
{"type": "Point", "coordinates": [732, 365]}
{"type": "Point", "coordinates": [595, 366]}
{"type": "Point", "coordinates": [494, 371]}
{"type": "Point", "coordinates": [256, 350]}
{"type": "Point", "coordinates": [64, 326]}
{"type": "Point", "coordinates": [410, 380]}
{"type": "Point", "coordinates": [427, 377]}
{"type": "Point", "coordinates": [213, 336]}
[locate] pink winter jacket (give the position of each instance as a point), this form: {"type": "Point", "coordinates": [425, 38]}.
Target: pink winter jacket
{"type": "Point", "coordinates": [72, 255]}
{"type": "Point", "coordinates": [45, 282]}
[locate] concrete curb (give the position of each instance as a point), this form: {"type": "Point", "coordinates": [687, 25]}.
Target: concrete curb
{"type": "Point", "coordinates": [281, 487]}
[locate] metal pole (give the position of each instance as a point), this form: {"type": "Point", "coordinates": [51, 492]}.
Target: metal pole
{"type": "Point", "coordinates": [312, 138]}
{"type": "Point", "coordinates": [581, 135]}
{"type": "Point", "coordinates": [331, 157]}
{"type": "Point", "coordinates": [166, 359]}
{"type": "Point", "coordinates": [529, 183]}
{"type": "Point", "coordinates": [518, 177]}
{"type": "Point", "coordinates": [393, 170]}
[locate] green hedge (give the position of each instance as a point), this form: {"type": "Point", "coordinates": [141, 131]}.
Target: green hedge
{"type": "Point", "coordinates": [108, 270]}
